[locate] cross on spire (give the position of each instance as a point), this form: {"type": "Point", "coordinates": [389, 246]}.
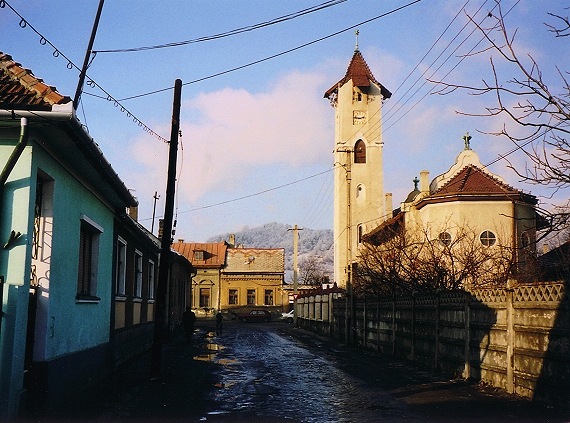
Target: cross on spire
{"type": "Point", "coordinates": [356, 32]}
{"type": "Point", "coordinates": [466, 139]}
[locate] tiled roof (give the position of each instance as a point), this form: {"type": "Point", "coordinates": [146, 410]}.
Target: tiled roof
{"type": "Point", "coordinates": [255, 260]}
{"type": "Point", "coordinates": [21, 90]}
{"type": "Point", "coordinates": [471, 179]}
{"type": "Point", "coordinates": [360, 74]}
{"type": "Point", "coordinates": [474, 182]}
{"type": "Point", "coordinates": [214, 254]}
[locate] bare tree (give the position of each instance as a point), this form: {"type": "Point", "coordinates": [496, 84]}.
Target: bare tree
{"type": "Point", "coordinates": [406, 261]}
{"type": "Point", "coordinates": [537, 111]}
{"type": "Point", "coordinates": [312, 271]}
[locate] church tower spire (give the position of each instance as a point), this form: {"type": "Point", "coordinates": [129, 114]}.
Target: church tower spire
{"type": "Point", "coordinates": [358, 178]}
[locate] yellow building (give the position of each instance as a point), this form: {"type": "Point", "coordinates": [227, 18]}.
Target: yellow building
{"type": "Point", "coordinates": [254, 277]}
{"type": "Point", "coordinates": [231, 278]}
{"type": "Point", "coordinates": [471, 203]}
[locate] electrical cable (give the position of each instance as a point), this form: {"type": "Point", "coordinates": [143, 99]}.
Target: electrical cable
{"type": "Point", "coordinates": [273, 56]}
{"type": "Point", "coordinates": [90, 82]}
{"type": "Point", "coordinates": [232, 32]}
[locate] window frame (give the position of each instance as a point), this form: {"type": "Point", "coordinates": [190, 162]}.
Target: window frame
{"type": "Point", "coordinates": [268, 297]}
{"type": "Point", "coordinates": [138, 274]}
{"type": "Point", "coordinates": [487, 238]}
{"type": "Point", "coordinates": [359, 152]}
{"type": "Point", "coordinates": [233, 296]}
{"type": "Point", "coordinates": [151, 280]}
{"type": "Point", "coordinates": [121, 268]}
{"type": "Point", "coordinates": [251, 297]}
{"type": "Point", "coordinates": [207, 295]}
{"type": "Point", "coordinates": [88, 260]}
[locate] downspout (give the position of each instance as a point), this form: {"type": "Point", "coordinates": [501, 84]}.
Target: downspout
{"type": "Point", "coordinates": [22, 142]}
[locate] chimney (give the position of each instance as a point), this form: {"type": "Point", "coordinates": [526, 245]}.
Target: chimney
{"type": "Point", "coordinates": [232, 240]}
{"type": "Point", "coordinates": [134, 213]}
{"type": "Point", "coordinates": [424, 181]}
{"type": "Point", "coordinates": [388, 202]}
{"type": "Point", "coordinates": [545, 248]}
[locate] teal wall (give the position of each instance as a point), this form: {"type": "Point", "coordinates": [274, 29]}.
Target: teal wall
{"type": "Point", "coordinates": [75, 326]}
{"type": "Point", "coordinates": [71, 326]}
{"type": "Point", "coordinates": [15, 266]}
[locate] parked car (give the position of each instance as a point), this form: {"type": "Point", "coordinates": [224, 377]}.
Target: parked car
{"type": "Point", "coordinates": [255, 316]}
{"type": "Point", "coordinates": [288, 317]}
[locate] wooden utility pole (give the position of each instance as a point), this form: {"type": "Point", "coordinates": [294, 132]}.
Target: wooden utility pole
{"type": "Point", "coordinates": [166, 241]}
{"type": "Point", "coordinates": [295, 270]}
{"type": "Point", "coordinates": [83, 72]}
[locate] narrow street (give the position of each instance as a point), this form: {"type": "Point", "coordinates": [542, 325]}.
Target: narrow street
{"type": "Point", "coordinates": [273, 372]}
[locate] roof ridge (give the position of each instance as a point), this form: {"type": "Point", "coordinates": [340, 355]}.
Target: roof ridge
{"type": "Point", "coordinates": [469, 170]}
{"type": "Point", "coordinates": [29, 82]}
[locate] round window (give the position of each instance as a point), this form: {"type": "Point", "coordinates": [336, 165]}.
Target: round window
{"type": "Point", "coordinates": [487, 238]}
{"type": "Point", "coordinates": [445, 238]}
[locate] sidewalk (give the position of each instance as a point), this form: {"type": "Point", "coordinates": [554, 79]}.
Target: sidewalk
{"type": "Point", "coordinates": [180, 393]}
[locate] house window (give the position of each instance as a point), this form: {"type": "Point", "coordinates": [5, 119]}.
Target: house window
{"type": "Point", "coordinates": [150, 280]}
{"type": "Point", "coordinates": [360, 234]}
{"type": "Point", "coordinates": [88, 260]}
{"type": "Point", "coordinates": [360, 152]}
{"type": "Point", "coordinates": [445, 238]}
{"type": "Point", "coordinates": [488, 238]}
{"type": "Point", "coordinates": [525, 240]}
{"type": "Point", "coordinates": [121, 266]}
{"type": "Point", "coordinates": [205, 297]}
{"type": "Point", "coordinates": [198, 255]}
{"type": "Point", "coordinates": [233, 297]}
{"type": "Point", "coordinates": [138, 275]}
{"type": "Point", "coordinates": [268, 297]}
{"type": "Point", "coordinates": [251, 297]}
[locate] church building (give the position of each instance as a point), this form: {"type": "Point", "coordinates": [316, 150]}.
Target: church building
{"type": "Point", "coordinates": [358, 171]}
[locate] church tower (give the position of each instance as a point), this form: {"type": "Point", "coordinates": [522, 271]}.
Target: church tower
{"type": "Point", "coordinates": [358, 170]}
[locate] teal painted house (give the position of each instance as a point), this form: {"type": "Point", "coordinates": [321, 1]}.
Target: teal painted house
{"type": "Point", "coordinates": [59, 200]}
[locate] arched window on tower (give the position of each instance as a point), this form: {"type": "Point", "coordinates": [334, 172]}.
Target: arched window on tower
{"type": "Point", "coordinates": [360, 152]}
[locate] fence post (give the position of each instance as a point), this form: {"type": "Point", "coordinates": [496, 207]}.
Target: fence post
{"type": "Point", "coordinates": [377, 324]}
{"type": "Point", "coordinates": [467, 334]}
{"type": "Point", "coordinates": [413, 346]}
{"type": "Point", "coordinates": [393, 325]}
{"type": "Point", "coordinates": [436, 330]}
{"type": "Point", "coordinates": [510, 338]}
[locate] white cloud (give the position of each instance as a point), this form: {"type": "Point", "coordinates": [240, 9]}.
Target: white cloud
{"type": "Point", "coordinates": [229, 132]}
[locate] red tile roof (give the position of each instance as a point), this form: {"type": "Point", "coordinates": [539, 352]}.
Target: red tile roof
{"type": "Point", "coordinates": [360, 74]}
{"type": "Point", "coordinates": [473, 182]}
{"type": "Point", "coordinates": [21, 90]}
{"type": "Point", "coordinates": [214, 254]}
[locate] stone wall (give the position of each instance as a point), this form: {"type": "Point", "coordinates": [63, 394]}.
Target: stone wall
{"type": "Point", "coordinates": [516, 339]}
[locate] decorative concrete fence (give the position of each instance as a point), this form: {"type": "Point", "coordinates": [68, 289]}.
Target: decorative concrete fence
{"type": "Point", "coordinates": [516, 339]}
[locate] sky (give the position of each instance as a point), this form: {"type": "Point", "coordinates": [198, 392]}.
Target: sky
{"type": "Point", "coordinates": [256, 133]}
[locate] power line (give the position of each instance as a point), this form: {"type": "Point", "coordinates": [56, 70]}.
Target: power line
{"type": "Point", "coordinates": [232, 32]}
{"type": "Point", "coordinates": [233, 200]}
{"type": "Point", "coordinates": [274, 56]}
{"type": "Point", "coordinates": [90, 82]}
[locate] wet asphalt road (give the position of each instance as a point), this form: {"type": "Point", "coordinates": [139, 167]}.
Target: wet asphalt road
{"type": "Point", "coordinates": [276, 373]}
{"type": "Point", "coordinates": [258, 373]}
{"type": "Point", "coordinates": [266, 374]}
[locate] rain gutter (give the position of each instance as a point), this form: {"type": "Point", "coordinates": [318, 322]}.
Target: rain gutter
{"type": "Point", "coordinates": [64, 113]}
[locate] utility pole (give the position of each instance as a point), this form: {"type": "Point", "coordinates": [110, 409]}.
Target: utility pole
{"type": "Point", "coordinates": [156, 197]}
{"type": "Point", "coordinates": [83, 72]}
{"type": "Point", "coordinates": [164, 268]}
{"type": "Point", "coordinates": [295, 230]}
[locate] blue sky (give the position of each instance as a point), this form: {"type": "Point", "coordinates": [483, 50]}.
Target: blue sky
{"type": "Point", "coordinates": [257, 142]}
